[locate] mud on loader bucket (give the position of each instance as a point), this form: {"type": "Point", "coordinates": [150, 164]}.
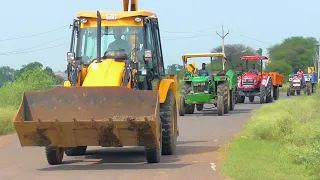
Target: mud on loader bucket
{"type": "Point", "coordinates": [89, 116]}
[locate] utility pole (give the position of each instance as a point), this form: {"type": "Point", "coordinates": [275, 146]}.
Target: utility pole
{"type": "Point", "coordinates": [222, 38]}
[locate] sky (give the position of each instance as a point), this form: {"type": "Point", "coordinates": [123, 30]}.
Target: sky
{"type": "Point", "coordinates": [186, 26]}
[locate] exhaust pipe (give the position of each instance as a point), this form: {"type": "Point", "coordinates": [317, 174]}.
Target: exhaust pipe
{"type": "Point", "coordinates": [99, 37]}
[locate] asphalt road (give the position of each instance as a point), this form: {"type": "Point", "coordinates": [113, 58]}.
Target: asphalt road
{"type": "Point", "coordinates": [201, 134]}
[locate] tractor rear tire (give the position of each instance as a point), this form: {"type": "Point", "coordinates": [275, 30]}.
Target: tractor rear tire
{"type": "Point", "coordinates": [262, 94]}
{"type": "Point", "coordinates": [76, 151]}
{"type": "Point", "coordinates": [189, 108]}
{"type": "Point", "coordinates": [314, 88]}
{"type": "Point", "coordinates": [269, 97]}
{"type": "Point", "coordinates": [153, 155]}
{"type": "Point", "coordinates": [288, 92]}
{"type": "Point", "coordinates": [222, 90]}
{"type": "Point", "coordinates": [168, 116]}
{"type": "Point", "coordinates": [232, 99]}
{"type": "Point", "coordinates": [182, 109]}
{"type": "Point", "coordinates": [220, 105]}
{"type": "Point", "coordinates": [54, 155]}
{"type": "Point", "coordinates": [199, 107]}
{"type": "Point", "coordinates": [251, 98]}
{"type": "Point", "coordinates": [276, 92]}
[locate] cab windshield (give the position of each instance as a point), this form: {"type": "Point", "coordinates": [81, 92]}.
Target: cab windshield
{"type": "Point", "coordinates": [128, 38]}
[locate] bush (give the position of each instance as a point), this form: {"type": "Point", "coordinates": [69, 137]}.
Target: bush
{"type": "Point", "coordinates": [11, 94]}
{"type": "Point", "coordinates": [30, 80]}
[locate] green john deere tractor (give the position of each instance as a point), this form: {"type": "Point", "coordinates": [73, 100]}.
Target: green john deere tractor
{"type": "Point", "coordinates": [216, 88]}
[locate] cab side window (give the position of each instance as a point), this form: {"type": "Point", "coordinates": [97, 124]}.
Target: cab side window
{"type": "Point", "coordinates": [150, 45]}
{"type": "Point", "coordinates": [158, 50]}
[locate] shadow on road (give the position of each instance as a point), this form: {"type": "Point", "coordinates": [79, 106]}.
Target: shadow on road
{"type": "Point", "coordinates": [128, 158]}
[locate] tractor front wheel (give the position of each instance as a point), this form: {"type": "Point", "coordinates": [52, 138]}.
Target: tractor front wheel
{"type": "Point", "coordinates": [54, 155]}
{"type": "Point", "coordinates": [189, 108]}
{"type": "Point", "coordinates": [251, 98]}
{"type": "Point", "coordinates": [199, 107]}
{"type": "Point", "coordinates": [220, 105]}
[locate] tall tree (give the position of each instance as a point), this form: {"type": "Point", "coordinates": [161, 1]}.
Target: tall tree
{"type": "Point", "coordinates": [6, 75]}
{"type": "Point", "coordinates": [233, 53]}
{"type": "Point", "coordinates": [296, 51]}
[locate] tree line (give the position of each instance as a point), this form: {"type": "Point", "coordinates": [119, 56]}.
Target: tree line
{"type": "Point", "coordinates": [285, 57]}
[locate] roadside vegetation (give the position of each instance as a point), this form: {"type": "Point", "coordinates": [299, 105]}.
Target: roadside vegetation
{"type": "Point", "coordinates": [281, 141]}
{"type": "Point", "coordinates": [31, 77]}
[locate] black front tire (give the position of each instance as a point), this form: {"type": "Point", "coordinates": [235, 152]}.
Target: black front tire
{"type": "Point", "coordinates": [251, 98]}
{"type": "Point", "coordinates": [153, 155]}
{"type": "Point", "coordinates": [54, 155]}
{"type": "Point", "coordinates": [168, 115]}
{"type": "Point", "coordinates": [199, 107]}
{"type": "Point", "coordinates": [76, 151]}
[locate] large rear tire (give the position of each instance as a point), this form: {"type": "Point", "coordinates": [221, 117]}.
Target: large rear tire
{"type": "Point", "coordinates": [262, 94]}
{"type": "Point", "coordinates": [54, 155]}
{"type": "Point", "coordinates": [276, 92]}
{"type": "Point", "coordinates": [189, 108]}
{"type": "Point", "coordinates": [269, 97]}
{"type": "Point", "coordinates": [232, 99]}
{"type": "Point", "coordinates": [168, 115]}
{"type": "Point", "coordinates": [76, 151]}
{"type": "Point", "coordinates": [222, 90]}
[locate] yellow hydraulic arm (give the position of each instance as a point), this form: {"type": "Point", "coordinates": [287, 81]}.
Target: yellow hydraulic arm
{"type": "Point", "coordinates": [133, 4]}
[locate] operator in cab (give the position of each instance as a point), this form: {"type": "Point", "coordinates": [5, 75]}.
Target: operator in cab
{"type": "Point", "coordinates": [253, 69]}
{"type": "Point", "coordinates": [203, 71]}
{"type": "Point", "coordinates": [119, 43]}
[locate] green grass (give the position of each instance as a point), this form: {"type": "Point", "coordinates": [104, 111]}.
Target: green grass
{"type": "Point", "coordinates": [251, 159]}
{"type": "Point", "coordinates": [6, 117]}
{"type": "Point", "coordinates": [281, 141]}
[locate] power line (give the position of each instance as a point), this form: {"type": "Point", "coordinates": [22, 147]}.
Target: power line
{"type": "Point", "coordinates": [21, 37]}
{"type": "Point", "coordinates": [10, 52]}
{"type": "Point", "coordinates": [176, 32]}
{"type": "Point", "coordinates": [50, 47]}
{"type": "Point", "coordinates": [186, 37]}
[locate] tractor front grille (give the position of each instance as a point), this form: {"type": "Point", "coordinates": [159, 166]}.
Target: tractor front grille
{"type": "Point", "coordinates": [248, 82]}
{"type": "Point", "coordinates": [200, 87]}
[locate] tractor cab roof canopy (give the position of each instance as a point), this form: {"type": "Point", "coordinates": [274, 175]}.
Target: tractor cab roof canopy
{"type": "Point", "coordinates": [200, 55]}
{"type": "Point", "coordinates": [254, 58]}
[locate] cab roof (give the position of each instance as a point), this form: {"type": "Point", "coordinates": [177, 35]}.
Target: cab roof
{"type": "Point", "coordinates": [200, 55]}
{"type": "Point", "coordinates": [119, 15]}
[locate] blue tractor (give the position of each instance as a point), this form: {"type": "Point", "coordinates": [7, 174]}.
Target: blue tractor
{"type": "Point", "coordinates": [296, 85]}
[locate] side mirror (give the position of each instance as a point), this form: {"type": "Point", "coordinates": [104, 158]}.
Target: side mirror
{"type": "Point", "coordinates": [147, 55]}
{"type": "Point", "coordinates": [70, 57]}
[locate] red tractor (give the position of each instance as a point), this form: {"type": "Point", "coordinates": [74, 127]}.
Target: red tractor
{"type": "Point", "coordinates": [263, 84]}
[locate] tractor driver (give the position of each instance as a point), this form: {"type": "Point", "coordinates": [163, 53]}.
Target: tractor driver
{"type": "Point", "coordinates": [253, 69]}
{"type": "Point", "coordinates": [119, 43]}
{"type": "Point", "coordinates": [300, 74]}
{"type": "Point", "coordinates": [203, 71]}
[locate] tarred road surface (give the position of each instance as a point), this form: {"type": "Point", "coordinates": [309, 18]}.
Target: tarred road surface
{"type": "Point", "coordinates": [201, 134]}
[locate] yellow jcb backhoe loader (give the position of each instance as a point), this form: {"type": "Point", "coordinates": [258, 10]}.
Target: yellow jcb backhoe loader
{"type": "Point", "coordinates": [117, 93]}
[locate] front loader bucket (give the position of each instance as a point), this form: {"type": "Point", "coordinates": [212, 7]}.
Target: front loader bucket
{"type": "Point", "coordinates": [89, 116]}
